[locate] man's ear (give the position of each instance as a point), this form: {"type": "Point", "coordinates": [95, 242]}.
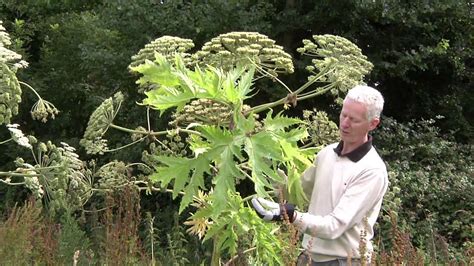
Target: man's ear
{"type": "Point", "coordinates": [374, 123]}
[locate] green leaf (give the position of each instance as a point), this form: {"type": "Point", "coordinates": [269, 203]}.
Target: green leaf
{"type": "Point", "coordinates": [174, 167]}
{"type": "Point", "coordinates": [209, 81]}
{"type": "Point", "coordinates": [244, 86]}
{"type": "Point", "coordinates": [279, 122]}
{"type": "Point", "coordinates": [224, 181]}
{"type": "Point", "coordinates": [237, 85]}
{"type": "Point", "coordinates": [201, 166]}
{"type": "Point", "coordinates": [262, 150]}
{"type": "Point", "coordinates": [160, 100]}
{"type": "Point", "coordinates": [158, 72]}
{"type": "Point", "coordinates": [188, 176]}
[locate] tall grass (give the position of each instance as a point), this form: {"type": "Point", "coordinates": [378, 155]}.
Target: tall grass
{"type": "Point", "coordinates": [27, 237]}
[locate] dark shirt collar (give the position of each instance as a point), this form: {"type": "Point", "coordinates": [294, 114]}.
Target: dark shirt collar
{"type": "Point", "coordinates": [356, 154]}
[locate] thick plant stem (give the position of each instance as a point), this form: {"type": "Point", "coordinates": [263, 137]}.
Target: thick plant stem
{"type": "Point", "coordinates": [216, 255]}
{"type": "Point", "coordinates": [151, 133]}
{"type": "Point", "coordinates": [325, 71]}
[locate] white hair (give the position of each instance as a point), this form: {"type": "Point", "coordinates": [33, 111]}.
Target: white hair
{"type": "Point", "coordinates": [368, 96]}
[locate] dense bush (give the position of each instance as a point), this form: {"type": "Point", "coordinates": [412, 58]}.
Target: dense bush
{"type": "Point", "coordinates": [431, 189]}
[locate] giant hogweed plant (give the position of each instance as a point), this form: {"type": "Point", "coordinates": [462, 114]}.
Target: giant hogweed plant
{"type": "Point", "coordinates": [216, 139]}
{"type": "Point", "coordinates": [52, 172]}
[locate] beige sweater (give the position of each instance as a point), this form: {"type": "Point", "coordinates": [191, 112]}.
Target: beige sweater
{"type": "Point", "coordinates": [342, 193]}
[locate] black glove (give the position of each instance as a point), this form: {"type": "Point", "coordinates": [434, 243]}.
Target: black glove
{"type": "Point", "coordinates": [272, 211]}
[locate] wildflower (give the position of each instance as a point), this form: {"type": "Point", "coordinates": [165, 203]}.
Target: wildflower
{"type": "Point", "coordinates": [235, 48]}
{"type": "Point", "coordinates": [99, 123]}
{"type": "Point", "coordinates": [42, 109]}
{"type": "Point", "coordinates": [198, 227]}
{"type": "Point", "coordinates": [32, 183]}
{"type": "Point", "coordinates": [168, 46]}
{"type": "Point", "coordinates": [18, 136]}
{"type": "Point", "coordinates": [346, 65]}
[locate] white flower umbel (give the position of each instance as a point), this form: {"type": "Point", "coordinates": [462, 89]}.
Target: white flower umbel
{"type": "Point", "coordinates": [18, 136]}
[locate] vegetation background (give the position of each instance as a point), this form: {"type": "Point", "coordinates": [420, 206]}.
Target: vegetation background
{"type": "Point", "coordinates": [79, 52]}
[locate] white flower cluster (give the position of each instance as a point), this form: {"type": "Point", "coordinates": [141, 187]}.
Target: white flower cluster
{"type": "Point", "coordinates": [340, 60]}
{"type": "Point", "coordinates": [7, 55]}
{"type": "Point", "coordinates": [33, 184]}
{"type": "Point", "coordinates": [234, 48]}
{"type": "Point", "coordinates": [18, 136]}
{"type": "Point", "coordinates": [168, 46]}
{"type": "Point", "coordinates": [31, 180]}
{"type": "Point", "coordinates": [10, 91]}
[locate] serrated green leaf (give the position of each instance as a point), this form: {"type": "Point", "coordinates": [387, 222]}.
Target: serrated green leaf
{"type": "Point", "coordinates": [244, 86]}
{"type": "Point", "coordinates": [158, 73]}
{"type": "Point", "coordinates": [293, 153]}
{"type": "Point", "coordinates": [215, 228]}
{"type": "Point", "coordinates": [295, 135]}
{"type": "Point", "coordinates": [200, 166]}
{"type": "Point", "coordinates": [175, 167]}
{"type": "Point", "coordinates": [209, 80]}
{"type": "Point", "coordinates": [188, 176]}
{"type": "Point", "coordinates": [279, 122]}
{"type": "Point", "coordinates": [244, 124]}
{"type": "Point", "coordinates": [224, 181]}
{"type": "Point", "coordinates": [262, 150]}
{"type": "Point", "coordinates": [163, 101]}
{"type": "Point", "coordinates": [295, 190]}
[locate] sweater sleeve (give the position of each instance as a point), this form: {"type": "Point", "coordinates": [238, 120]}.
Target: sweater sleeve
{"type": "Point", "coordinates": [360, 197]}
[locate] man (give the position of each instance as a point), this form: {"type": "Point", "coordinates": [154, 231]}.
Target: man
{"type": "Point", "coordinates": [345, 186]}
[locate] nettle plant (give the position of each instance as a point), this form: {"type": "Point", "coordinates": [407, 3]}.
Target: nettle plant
{"type": "Point", "coordinates": [216, 139]}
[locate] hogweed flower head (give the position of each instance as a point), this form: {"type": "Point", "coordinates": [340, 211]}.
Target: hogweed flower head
{"type": "Point", "coordinates": [18, 136]}
{"type": "Point", "coordinates": [344, 62]}
{"type": "Point", "coordinates": [99, 123]}
{"type": "Point", "coordinates": [33, 184]}
{"type": "Point", "coordinates": [42, 109]}
{"type": "Point", "coordinates": [4, 36]}
{"type": "Point", "coordinates": [112, 175]}
{"type": "Point", "coordinates": [245, 48]}
{"type": "Point", "coordinates": [10, 94]}
{"type": "Point", "coordinates": [168, 46]}
{"type": "Point", "coordinates": [10, 91]}
{"type": "Point", "coordinates": [321, 129]}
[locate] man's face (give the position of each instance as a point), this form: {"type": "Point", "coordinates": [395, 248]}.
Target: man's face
{"type": "Point", "coordinates": [353, 123]}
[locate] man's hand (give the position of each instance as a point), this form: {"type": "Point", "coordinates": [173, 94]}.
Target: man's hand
{"type": "Point", "coordinates": [271, 211]}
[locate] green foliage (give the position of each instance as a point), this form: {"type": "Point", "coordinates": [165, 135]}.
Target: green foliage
{"type": "Point", "coordinates": [430, 189]}
{"type": "Point", "coordinates": [236, 145]}
{"type": "Point", "coordinates": [237, 223]}
{"type": "Point", "coordinates": [219, 146]}
{"type": "Point", "coordinates": [72, 240]}
{"type": "Point", "coordinates": [176, 251]}
{"type": "Point", "coordinates": [421, 52]}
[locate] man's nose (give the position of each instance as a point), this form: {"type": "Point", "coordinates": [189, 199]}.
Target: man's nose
{"type": "Point", "coordinates": [345, 123]}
